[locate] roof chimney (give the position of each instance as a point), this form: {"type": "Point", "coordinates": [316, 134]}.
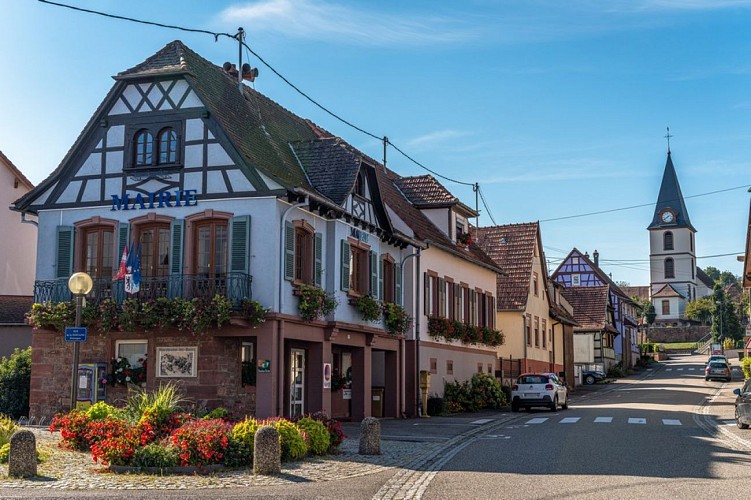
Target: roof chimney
{"type": "Point", "coordinates": [596, 256]}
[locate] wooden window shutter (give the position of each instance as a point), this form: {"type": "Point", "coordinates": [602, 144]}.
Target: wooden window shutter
{"type": "Point", "coordinates": [398, 284]}
{"type": "Point", "coordinates": [64, 262]}
{"type": "Point", "coordinates": [318, 259]}
{"type": "Point", "coordinates": [374, 274]}
{"type": "Point", "coordinates": [426, 301]}
{"type": "Point", "coordinates": [123, 239]}
{"type": "Point", "coordinates": [441, 297]}
{"type": "Point", "coordinates": [344, 268]}
{"type": "Point", "coordinates": [289, 251]}
{"type": "Point", "coordinates": [177, 230]}
{"type": "Point", "coordinates": [240, 244]}
{"type": "Point", "coordinates": [380, 279]}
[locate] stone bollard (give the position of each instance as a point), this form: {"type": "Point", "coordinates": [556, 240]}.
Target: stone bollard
{"type": "Point", "coordinates": [22, 460]}
{"type": "Point", "coordinates": [267, 453]}
{"type": "Point", "coordinates": [370, 436]}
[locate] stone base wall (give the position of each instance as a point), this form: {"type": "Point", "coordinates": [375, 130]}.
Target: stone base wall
{"type": "Point", "coordinates": [217, 382]}
{"type": "Point", "coordinates": [677, 333]}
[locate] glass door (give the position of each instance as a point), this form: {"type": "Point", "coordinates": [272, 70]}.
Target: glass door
{"type": "Point", "coordinates": [297, 382]}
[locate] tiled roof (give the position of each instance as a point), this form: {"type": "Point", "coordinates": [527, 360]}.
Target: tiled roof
{"type": "Point", "coordinates": [667, 291]}
{"type": "Point", "coordinates": [331, 166]}
{"type": "Point", "coordinates": [5, 160]}
{"type": "Point", "coordinates": [13, 308]}
{"type": "Point", "coordinates": [641, 292]}
{"type": "Point", "coordinates": [561, 314]}
{"type": "Point", "coordinates": [595, 269]}
{"type": "Point", "coordinates": [424, 190]}
{"type": "Point", "coordinates": [512, 248]}
{"type": "Point", "coordinates": [423, 228]}
{"type": "Point", "coordinates": [704, 278]}
{"type": "Point", "coordinates": [590, 305]}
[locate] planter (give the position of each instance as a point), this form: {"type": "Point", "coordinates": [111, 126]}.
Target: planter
{"type": "Point", "coordinates": [168, 471]}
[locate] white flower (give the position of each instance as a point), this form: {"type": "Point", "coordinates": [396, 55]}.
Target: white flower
{"type": "Point", "coordinates": [119, 370]}
{"type": "Point", "coordinates": [127, 379]}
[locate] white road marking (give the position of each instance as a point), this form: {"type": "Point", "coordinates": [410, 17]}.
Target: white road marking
{"type": "Point", "coordinates": [670, 421]}
{"type": "Point", "coordinates": [679, 369]}
{"type": "Point", "coordinates": [691, 369]}
{"type": "Point", "coordinates": [637, 420]}
{"type": "Point", "coordinates": [536, 420]}
{"type": "Point", "coordinates": [569, 420]}
{"type": "Point", "coordinates": [482, 421]}
{"type": "Point", "coordinates": [668, 369]}
{"type": "Point", "coordinates": [603, 420]}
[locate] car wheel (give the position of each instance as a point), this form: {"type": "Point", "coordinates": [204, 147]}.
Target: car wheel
{"type": "Point", "coordinates": [589, 380]}
{"type": "Point", "coordinates": [706, 379]}
{"type": "Point", "coordinates": [554, 404]}
{"type": "Point", "coordinates": [738, 422]}
{"type": "Point", "coordinates": [564, 405]}
{"type": "Point", "coordinates": [514, 408]}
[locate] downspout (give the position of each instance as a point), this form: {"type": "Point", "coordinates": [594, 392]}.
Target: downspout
{"type": "Point", "coordinates": [417, 319]}
{"type": "Point", "coordinates": [24, 221]}
{"type": "Point", "coordinates": [524, 336]}
{"type": "Point", "coordinates": [564, 350]}
{"type": "Point", "coordinates": [280, 322]}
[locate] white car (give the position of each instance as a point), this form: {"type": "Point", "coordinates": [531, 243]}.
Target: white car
{"type": "Point", "coordinates": [539, 389]}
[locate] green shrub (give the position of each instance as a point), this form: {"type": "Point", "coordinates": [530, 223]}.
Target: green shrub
{"type": "Point", "coordinates": [156, 455]}
{"type": "Point", "coordinates": [485, 391]}
{"type": "Point", "coordinates": [317, 433]}
{"type": "Point", "coordinates": [615, 371]}
{"type": "Point", "coordinates": [100, 411]}
{"type": "Point", "coordinates": [7, 428]}
{"type": "Point", "coordinates": [15, 383]}
{"type": "Point", "coordinates": [160, 404]}
{"type": "Point", "coordinates": [293, 440]}
{"type": "Point", "coordinates": [245, 432]}
{"type": "Point", "coordinates": [217, 413]}
{"type": "Point", "coordinates": [5, 454]}
{"type": "Point", "coordinates": [237, 453]}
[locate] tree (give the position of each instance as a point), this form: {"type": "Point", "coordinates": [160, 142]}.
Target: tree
{"type": "Point", "coordinates": [15, 383]}
{"type": "Point", "coordinates": [700, 310]}
{"type": "Point", "coordinates": [712, 272]}
{"type": "Point", "coordinates": [725, 321]}
{"type": "Point", "coordinates": [728, 278]}
{"type": "Point", "coordinates": [643, 304]}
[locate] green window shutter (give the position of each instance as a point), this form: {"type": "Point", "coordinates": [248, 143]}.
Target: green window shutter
{"type": "Point", "coordinates": [239, 244]}
{"type": "Point", "coordinates": [123, 238]}
{"type": "Point", "coordinates": [398, 284]}
{"type": "Point", "coordinates": [380, 279]}
{"type": "Point", "coordinates": [317, 259]}
{"type": "Point", "coordinates": [289, 251]}
{"type": "Point", "coordinates": [373, 274]}
{"type": "Point", "coordinates": [64, 261]}
{"type": "Point", "coordinates": [345, 266]}
{"type": "Point", "coordinates": [177, 234]}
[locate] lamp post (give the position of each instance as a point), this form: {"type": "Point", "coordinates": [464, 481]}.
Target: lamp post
{"type": "Point", "coordinates": [79, 285]}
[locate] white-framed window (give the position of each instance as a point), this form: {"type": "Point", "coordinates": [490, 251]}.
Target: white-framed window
{"type": "Point", "coordinates": [576, 280]}
{"type": "Point", "coordinates": [132, 350]}
{"type": "Point", "coordinates": [247, 352]}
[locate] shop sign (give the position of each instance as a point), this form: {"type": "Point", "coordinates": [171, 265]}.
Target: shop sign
{"type": "Point", "coordinates": [360, 235]}
{"type": "Point", "coordinates": [264, 366]}
{"type": "Point", "coordinates": [346, 393]}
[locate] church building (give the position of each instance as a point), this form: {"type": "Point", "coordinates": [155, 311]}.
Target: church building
{"type": "Point", "coordinates": [674, 277]}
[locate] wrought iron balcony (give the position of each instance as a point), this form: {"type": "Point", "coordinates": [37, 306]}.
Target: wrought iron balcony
{"type": "Point", "coordinates": [234, 286]}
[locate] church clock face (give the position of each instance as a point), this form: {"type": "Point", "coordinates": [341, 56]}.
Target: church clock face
{"type": "Point", "coordinates": [667, 217]}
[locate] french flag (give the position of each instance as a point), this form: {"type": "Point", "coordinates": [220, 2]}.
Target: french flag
{"type": "Point", "coordinates": [122, 270]}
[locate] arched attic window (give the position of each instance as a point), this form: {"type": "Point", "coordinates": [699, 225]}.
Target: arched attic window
{"type": "Point", "coordinates": [669, 268]}
{"type": "Point", "coordinates": [667, 241]}
{"type": "Point", "coordinates": [143, 148]}
{"type": "Point", "coordinates": [167, 146]}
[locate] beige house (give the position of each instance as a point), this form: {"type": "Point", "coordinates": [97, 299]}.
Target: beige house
{"type": "Point", "coordinates": [523, 305]}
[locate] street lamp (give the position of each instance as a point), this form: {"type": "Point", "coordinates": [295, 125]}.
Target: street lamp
{"type": "Point", "coordinates": [79, 285]}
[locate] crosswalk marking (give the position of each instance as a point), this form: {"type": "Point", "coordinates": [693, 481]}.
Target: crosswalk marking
{"type": "Point", "coordinates": [536, 420]}
{"type": "Point", "coordinates": [603, 420]}
{"type": "Point", "coordinates": [482, 421]}
{"type": "Point", "coordinates": [569, 420]}
{"type": "Point", "coordinates": [668, 369]}
{"type": "Point", "coordinates": [637, 420]}
{"type": "Point", "coordinates": [679, 369]}
{"type": "Point", "coordinates": [669, 421]}
{"type": "Point", "coordinates": [691, 369]}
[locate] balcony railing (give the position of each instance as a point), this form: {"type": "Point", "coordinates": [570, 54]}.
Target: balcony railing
{"type": "Point", "coordinates": [234, 286]}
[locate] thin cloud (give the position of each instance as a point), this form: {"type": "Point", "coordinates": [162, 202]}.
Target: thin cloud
{"type": "Point", "coordinates": [690, 4]}
{"type": "Point", "coordinates": [314, 19]}
{"type": "Point", "coordinates": [437, 137]}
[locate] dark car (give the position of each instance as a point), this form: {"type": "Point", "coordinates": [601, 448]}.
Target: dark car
{"type": "Point", "coordinates": [591, 376]}
{"type": "Point", "coordinates": [743, 405]}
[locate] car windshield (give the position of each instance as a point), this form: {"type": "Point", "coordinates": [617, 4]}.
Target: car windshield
{"type": "Point", "coordinates": [717, 364]}
{"type": "Point", "coordinates": [533, 379]}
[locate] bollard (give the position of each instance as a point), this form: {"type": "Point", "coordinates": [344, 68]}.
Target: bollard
{"type": "Point", "coordinates": [267, 452]}
{"type": "Point", "coordinates": [22, 460]}
{"type": "Point", "coordinates": [370, 436]}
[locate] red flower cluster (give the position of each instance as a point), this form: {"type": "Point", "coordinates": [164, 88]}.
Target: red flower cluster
{"type": "Point", "coordinates": [113, 441]}
{"type": "Point", "coordinates": [202, 442]}
{"type": "Point", "coordinates": [466, 333]}
{"type": "Point", "coordinates": [72, 427]}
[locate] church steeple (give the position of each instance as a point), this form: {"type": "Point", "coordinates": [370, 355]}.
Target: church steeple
{"type": "Point", "coordinates": [670, 209]}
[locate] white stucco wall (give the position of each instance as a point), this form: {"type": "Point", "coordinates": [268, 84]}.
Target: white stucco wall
{"type": "Point", "coordinates": [18, 244]}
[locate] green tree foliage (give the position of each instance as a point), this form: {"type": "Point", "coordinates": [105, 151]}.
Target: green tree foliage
{"type": "Point", "coordinates": [700, 310]}
{"type": "Point", "coordinates": [643, 304]}
{"type": "Point", "coordinates": [724, 277]}
{"type": "Point", "coordinates": [726, 323]}
{"type": "Point", "coordinates": [712, 272]}
{"type": "Point", "coordinates": [15, 383]}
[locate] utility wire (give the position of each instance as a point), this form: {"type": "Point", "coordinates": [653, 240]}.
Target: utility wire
{"type": "Point", "coordinates": [485, 204]}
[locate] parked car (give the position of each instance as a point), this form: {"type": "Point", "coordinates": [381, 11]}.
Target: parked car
{"type": "Point", "coordinates": [743, 405]}
{"type": "Point", "coordinates": [539, 389]}
{"type": "Point", "coordinates": [718, 357]}
{"type": "Point", "coordinates": [717, 370]}
{"type": "Point", "coordinates": [591, 376]}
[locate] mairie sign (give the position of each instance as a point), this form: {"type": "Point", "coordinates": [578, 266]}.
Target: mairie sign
{"type": "Point", "coordinates": [160, 199]}
{"type": "Point", "coordinates": [76, 333]}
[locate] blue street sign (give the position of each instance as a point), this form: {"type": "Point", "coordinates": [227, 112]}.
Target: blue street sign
{"type": "Point", "coordinates": [76, 333]}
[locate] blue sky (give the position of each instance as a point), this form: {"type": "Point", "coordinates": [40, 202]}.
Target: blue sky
{"type": "Point", "coordinates": [555, 108]}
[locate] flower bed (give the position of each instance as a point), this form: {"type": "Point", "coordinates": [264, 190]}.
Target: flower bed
{"type": "Point", "coordinates": [151, 434]}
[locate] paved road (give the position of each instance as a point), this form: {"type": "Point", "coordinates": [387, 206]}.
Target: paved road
{"type": "Point", "coordinates": [658, 437]}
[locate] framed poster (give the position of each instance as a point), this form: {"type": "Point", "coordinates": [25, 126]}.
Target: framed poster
{"type": "Point", "coordinates": [176, 361]}
{"type": "Point", "coordinates": [327, 375]}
